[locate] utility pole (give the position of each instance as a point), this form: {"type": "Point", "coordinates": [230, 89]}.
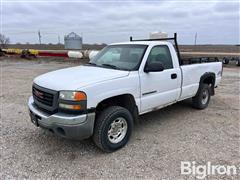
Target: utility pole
{"type": "Point", "coordinates": [195, 41]}
{"type": "Point", "coordinates": [39, 37]}
{"type": "Point", "coordinates": [58, 39]}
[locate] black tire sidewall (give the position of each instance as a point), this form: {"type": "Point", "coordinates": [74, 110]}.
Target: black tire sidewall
{"type": "Point", "coordinates": [238, 62]}
{"type": "Point", "coordinates": [106, 144]}
{"type": "Point", "coordinates": [225, 61]}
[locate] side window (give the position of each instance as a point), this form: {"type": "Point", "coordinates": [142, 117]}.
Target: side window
{"type": "Point", "coordinates": [160, 54]}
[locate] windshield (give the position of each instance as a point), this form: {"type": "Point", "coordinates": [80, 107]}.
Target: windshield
{"type": "Point", "coordinates": [123, 57]}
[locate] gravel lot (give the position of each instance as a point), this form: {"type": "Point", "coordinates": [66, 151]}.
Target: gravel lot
{"type": "Point", "coordinates": [159, 143]}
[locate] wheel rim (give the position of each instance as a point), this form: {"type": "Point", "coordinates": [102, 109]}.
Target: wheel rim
{"type": "Point", "coordinates": [117, 130]}
{"type": "Point", "coordinates": [205, 96]}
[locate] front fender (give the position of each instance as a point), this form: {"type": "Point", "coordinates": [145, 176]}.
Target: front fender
{"type": "Point", "coordinates": [107, 89]}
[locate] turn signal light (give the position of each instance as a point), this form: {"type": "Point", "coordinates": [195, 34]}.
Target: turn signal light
{"type": "Point", "coordinates": [68, 106]}
{"type": "Point", "coordinates": [79, 96]}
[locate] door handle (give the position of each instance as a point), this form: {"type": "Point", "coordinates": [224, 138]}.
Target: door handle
{"type": "Point", "coordinates": [173, 76]}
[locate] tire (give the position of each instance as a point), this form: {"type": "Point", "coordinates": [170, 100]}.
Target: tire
{"type": "Point", "coordinates": [225, 61]}
{"type": "Point", "coordinates": [238, 62]}
{"type": "Point", "coordinates": [104, 128]}
{"type": "Point", "coordinates": [202, 98]}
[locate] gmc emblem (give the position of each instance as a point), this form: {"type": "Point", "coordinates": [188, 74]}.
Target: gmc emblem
{"type": "Point", "coordinates": [38, 93]}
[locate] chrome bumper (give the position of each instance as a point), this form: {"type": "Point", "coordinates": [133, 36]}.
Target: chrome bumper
{"type": "Point", "coordinates": [65, 125]}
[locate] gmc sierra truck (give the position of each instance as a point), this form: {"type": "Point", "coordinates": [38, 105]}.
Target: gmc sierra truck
{"type": "Point", "coordinates": [103, 99]}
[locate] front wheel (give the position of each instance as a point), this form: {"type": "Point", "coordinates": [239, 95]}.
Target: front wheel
{"type": "Point", "coordinates": [202, 98]}
{"type": "Point", "coordinates": [113, 128]}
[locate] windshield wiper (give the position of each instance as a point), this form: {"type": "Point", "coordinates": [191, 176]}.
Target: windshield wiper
{"type": "Point", "coordinates": [111, 66]}
{"type": "Point", "coordinates": [92, 64]}
{"type": "Point", "coordinates": [102, 65]}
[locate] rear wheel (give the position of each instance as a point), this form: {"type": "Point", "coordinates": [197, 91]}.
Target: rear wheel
{"type": "Point", "coordinates": [225, 61]}
{"type": "Point", "coordinates": [202, 98]}
{"type": "Point", "coordinates": [113, 128]}
{"type": "Point", "coordinates": [238, 62]}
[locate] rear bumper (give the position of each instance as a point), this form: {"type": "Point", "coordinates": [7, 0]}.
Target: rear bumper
{"type": "Point", "coordinates": [65, 125]}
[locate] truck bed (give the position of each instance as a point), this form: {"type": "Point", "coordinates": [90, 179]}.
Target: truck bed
{"type": "Point", "coordinates": [191, 74]}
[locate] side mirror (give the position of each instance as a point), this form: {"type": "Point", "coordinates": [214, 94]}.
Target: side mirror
{"type": "Point", "coordinates": [153, 67]}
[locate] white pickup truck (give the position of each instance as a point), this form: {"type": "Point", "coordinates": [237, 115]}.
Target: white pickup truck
{"type": "Point", "coordinates": [103, 99]}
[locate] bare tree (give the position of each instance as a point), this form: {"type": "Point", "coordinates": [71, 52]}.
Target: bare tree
{"type": "Point", "coordinates": [4, 41]}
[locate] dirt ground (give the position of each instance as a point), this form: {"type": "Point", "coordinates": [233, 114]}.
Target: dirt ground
{"type": "Point", "coordinates": [159, 142]}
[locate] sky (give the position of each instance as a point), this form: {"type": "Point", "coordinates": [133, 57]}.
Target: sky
{"type": "Point", "coordinates": [108, 21]}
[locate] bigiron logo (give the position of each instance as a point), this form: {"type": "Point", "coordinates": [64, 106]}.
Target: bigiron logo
{"type": "Point", "coordinates": [202, 171]}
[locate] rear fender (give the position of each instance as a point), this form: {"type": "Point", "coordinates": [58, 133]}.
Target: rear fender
{"type": "Point", "coordinates": [208, 78]}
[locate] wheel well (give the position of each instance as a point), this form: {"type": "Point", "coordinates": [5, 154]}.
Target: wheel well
{"type": "Point", "coordinates": [126, 100]}
{"type": "Point", "coordinates": [209, 78]}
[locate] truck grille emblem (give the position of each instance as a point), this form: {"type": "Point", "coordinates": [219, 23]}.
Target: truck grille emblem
{"type": "Point", "coordinates": [38, 94]}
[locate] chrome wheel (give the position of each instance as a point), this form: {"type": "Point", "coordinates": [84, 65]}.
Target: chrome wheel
{"type": "Point", "coordinates": [205, 96]}
{"type": "Point", "coordinates": [117, 130]}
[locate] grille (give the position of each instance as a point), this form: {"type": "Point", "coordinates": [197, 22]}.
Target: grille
{"type": "Point", "coordinates": [45, 99]}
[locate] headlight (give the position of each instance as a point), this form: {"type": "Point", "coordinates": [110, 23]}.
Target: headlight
{"type": "Point", "coordinates": [73, 100]}
{"type": "Point", "coordinates": [72, 95]}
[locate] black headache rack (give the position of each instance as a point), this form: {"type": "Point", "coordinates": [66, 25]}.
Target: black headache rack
{"type": "Point", "coordinates": [165, 39]}
{"type": "Point", "coordinates": [181, 60]}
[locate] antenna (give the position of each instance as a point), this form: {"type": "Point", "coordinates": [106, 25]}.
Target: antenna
{"type": "Point", "coordinates": [39, 37]}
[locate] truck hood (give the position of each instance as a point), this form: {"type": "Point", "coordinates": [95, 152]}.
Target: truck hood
{"type": "Point", "coordinates": [76, 77]}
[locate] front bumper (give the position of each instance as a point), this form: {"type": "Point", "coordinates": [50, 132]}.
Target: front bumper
{"type": "Point", "coordinates": [65, 125]}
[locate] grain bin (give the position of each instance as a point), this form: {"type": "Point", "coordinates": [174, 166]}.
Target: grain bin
{"type": "Point", "coordinates": [73, 41]}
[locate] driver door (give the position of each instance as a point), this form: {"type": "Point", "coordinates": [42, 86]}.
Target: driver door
{"type": "Point", "coordinates": [163, 87]}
